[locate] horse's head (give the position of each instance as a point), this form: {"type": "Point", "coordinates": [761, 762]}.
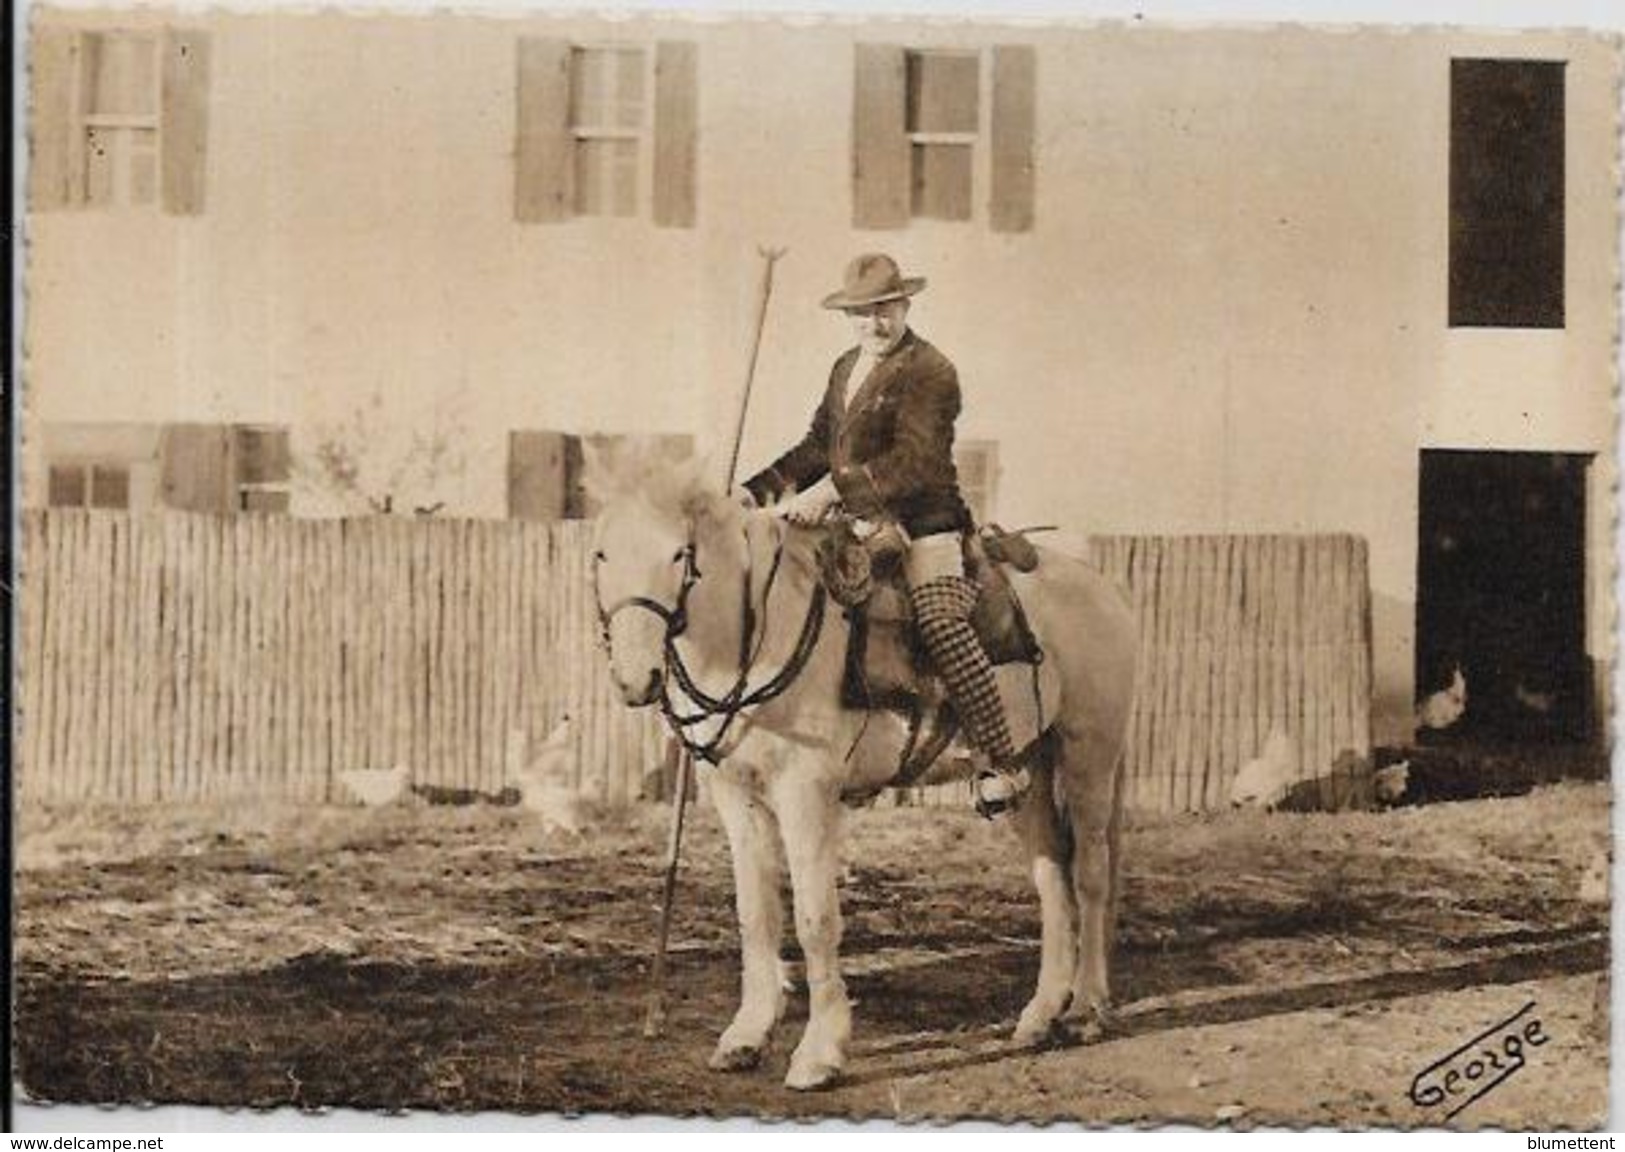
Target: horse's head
{"type": "Point", "coordinates": [647, 558]}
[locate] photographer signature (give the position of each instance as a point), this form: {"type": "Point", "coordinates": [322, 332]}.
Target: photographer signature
{"type": "Point", "coordinates": [1480, 1065]}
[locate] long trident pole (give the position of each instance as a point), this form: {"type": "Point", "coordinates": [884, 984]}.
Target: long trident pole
{"type": "Point", "coordinates": [654, 1022]}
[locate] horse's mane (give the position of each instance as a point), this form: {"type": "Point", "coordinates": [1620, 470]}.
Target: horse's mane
{"type": "Point", "coordinates": [642, 467]}
{"type": "Point", "coordinates": [643, 470]}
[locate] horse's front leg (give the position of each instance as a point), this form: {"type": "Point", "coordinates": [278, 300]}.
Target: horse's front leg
{"type": "Point", "coordinates": [807, 804]}
{"type": "Point", "coordinates": [750, 829]}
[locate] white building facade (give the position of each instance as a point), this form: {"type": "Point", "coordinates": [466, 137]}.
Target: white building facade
{"type": "Point", "coordinates": [1194, 282]}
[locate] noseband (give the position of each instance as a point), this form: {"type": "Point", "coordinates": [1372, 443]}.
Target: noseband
{"type": "Point", "coordinates": [739, 696]}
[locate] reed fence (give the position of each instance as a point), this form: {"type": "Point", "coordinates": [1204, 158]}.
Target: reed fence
{"type": "Point", "coordinates": [186, 657]}
{"type": "Point", "coordinates": [192, 657]}
{"type": "Point", "coordinates": [1241, 636]}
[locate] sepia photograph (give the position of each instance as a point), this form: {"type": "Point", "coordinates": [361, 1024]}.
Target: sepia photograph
{"type": "Point", "coordinates": [815, 566]}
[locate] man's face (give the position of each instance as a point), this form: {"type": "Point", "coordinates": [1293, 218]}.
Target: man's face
{"type": "Point", "coordinates": [879, 326]}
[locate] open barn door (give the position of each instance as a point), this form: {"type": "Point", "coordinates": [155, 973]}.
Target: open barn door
{"type": "Point", "coordinates": [1501, 579]}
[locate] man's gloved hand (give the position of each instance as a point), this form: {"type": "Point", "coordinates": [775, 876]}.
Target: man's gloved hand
{"type": "Point", "coordinates": [810, 507]}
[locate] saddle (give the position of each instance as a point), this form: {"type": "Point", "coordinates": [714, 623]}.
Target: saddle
{"type": "Point", "coordinates": [886, 662]}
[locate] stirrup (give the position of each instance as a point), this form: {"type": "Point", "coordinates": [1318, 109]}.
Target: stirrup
{"type": "Point", "coordinates": [996, 792]}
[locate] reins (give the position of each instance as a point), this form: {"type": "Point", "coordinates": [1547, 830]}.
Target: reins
{"type": "Point", "coordinates": [739, 697]}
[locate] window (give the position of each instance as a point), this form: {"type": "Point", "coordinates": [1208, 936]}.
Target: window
{"type": "Point", "coordinates": [120, 119]}
{"type": "Point", "coordinates": [97, 465]}
{"type": "Point", "coordinates": [1506, 194]}
{"type": "Point", "coordinates": [263, 468]}
{"type": "Point", "coordinates": [606, 130]}
{"type": "Point", "coordinates": [940, 133]}
{"type": "Point", "coordinates": [225, 468]}
{"type": "Point", "coordinates": [942, 119]}
{"type": "Point", "coordinates": [978, 464]}
{"type": "Point", "coordinates": [89, 485]}
{"type": "Point", "coordinates": [606, 123]}
{"type": "Point", "coordinates": [118, 96]}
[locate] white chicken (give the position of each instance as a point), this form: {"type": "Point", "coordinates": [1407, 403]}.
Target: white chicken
{"type": "Point", "coordinates": [1390, 783]}
{"type": "Point", "coordinates": [374, 787]}
{"type": "Point", "coordinates": [1265, 781]}
{"type": "Point", "coordinates": [1446, 706]}
{"type": "Point", "coordinates": [547, 784]}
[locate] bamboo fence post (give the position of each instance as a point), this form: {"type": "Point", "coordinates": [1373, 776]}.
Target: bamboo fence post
{"type": "Point", "coordinates": [69, 640]}
{"type": "Point", "coordinates": [188, 622]}
{"type": "Point", "coordinates": [52, 580]}
{"type": "Point", "coordinates": [82, 684]}
{"type": "Point", "coordinates": [25, 719]}
{"type": "Point", "coordinates": [99, 655]}
{"type": "Point", "coordinates": [491, 740]}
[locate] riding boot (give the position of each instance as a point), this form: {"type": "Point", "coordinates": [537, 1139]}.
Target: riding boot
{"type": "Point", "coordinates": [942, 610]}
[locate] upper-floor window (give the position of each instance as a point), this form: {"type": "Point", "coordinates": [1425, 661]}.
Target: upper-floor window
{"type": "Point", "coordinates": [119, 118]}
{"type": "Point", "coordinates": [607, 118]}
{"type": "Point", "coordinates": [119, 97]}
{"type": "Point", "coordinates": [1506, 194]}
{"type": "Point", "coordinates": [943, 134]}
{"type": "Point", "coordinates": [943, 119]}
{"type": "Point", "coordinates": [606, 130]}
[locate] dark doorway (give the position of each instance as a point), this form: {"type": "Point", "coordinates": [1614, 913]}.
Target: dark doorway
{"type": "Point", "coordinates": [1501, 596]}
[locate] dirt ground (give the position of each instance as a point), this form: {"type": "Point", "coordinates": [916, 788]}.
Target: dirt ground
{"type": "Point", "coordinates": [1281, 970]}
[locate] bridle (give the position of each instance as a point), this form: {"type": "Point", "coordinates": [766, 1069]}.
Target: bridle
{"type": "Point", "coordinates": [739, 697]}
{"type": "Point", "coordinates": [675, 618]}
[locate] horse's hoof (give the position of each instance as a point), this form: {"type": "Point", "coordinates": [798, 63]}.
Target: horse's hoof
{"type": "Point", "coordinates": [1038, 1034]}
{"type": "Point", "coordinates": [741, 1059]}
{"type": "Point", "coordinates": [812, 1078]}
{"type": "Point", "coordinates": [1092, 1025]}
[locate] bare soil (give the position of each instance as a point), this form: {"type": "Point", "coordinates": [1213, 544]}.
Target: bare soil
{"type": "Point", "coordinates": [1283, 969]}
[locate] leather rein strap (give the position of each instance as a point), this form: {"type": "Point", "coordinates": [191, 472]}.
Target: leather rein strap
{"type": "Point", "coordinates": [739, 697]}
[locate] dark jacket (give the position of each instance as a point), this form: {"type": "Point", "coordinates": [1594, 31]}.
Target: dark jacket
{"type": "Point", "coordinates": [889, 446]}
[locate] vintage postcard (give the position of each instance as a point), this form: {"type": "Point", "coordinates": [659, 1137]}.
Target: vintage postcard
{"type": "Point", "coordinates": [836, 567]}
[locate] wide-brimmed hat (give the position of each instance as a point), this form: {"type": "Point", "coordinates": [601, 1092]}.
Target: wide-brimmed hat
{"type": "Point", "coordinates": [873, 278]}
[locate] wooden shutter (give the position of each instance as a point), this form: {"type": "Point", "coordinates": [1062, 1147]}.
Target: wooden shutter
{"type": "Point", "coordinates": [53, 178]}
{"type": "Point", "coordinates": [542, 152]}
{"type": "Point", "coordinates": [676, 132]}
{"type": "Point", "coordinates": [183, 130]}
{"type": "Point", "coordinates": [196, 464]}
{"type": "Point", "coordinates": [880, 149]}
{"type": "Point", "coordinates": [536, 475]}
{"type": "Point", "coordinates": [1014, 114]}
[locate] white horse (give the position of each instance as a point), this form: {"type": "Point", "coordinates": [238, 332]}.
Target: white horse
{"type": "Point", "coordinates": [674, 568]}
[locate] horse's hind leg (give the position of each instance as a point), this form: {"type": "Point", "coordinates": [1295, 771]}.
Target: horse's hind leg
{"type": "Point", "coordinates": [751, 841]}
{"type": "Point", "coordinates": [1092, 803]}
{"type": "Point", "coordinates": [1047, 845]}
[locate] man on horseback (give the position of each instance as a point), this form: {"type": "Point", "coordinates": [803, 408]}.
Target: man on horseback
{"type": "Point", "coordinates": [881, 445]}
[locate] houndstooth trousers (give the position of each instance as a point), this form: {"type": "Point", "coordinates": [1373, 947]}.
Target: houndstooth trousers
{"type": "Point", "coordinates": [942, 611]}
